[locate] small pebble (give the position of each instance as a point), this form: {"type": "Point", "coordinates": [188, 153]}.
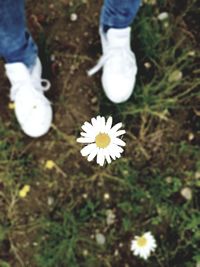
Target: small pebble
{"type": "Point", "coordinates": [166, 24]}
{"type": "Point", "coordinates": [190, 136]}
{"type": "Point", "coordinates": [50, 201]}
{"type": "Point", "coordinates": [51, 6]}
{"type": "Point", "coordinates": [197, 175]}
{"type": "Point", "coordinates": [110, 219]}
{"type": "Point", "coordinates": [85, 252]}
{"type": "Point", "coordinates": [85, 34]}
{"type": "Point", "coordinates": [163, 16]}
{"type": "Point", "coordinates": [116, 253]}
{"type": "Point", "coordinates": [147, 65]}
{"type": "Point", "coordinates": [191, 53]}
{"type": "Point", "coordinates": [73, 17]}
{"type": "Point", "coordinates": [85, 195]}
{"type": "Point", "coordinates": [94, 100]}
{"type": "Point", "coordinates": [53, 57]}
{"type": "Point", "coordinates": [169, 179]}
{"type": "Point", "coordinates": [175, 76]}
{"type": "Point", "coordinates": [106, 196]}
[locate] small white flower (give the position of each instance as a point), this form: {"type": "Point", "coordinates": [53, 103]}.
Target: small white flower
{"type": "Point", "coordinates": [191, 53]}
{"type": "Point", "coordinates": [100, 239]}
{"type": "Point", "coordinates": [102, 140]}
{"type": "Point", "coordinates": [142, 246]}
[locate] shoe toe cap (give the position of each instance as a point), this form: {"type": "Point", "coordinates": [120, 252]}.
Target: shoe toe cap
{"type": "Point", "coordinates": [38, 127]}
{"type": "Point", "coordinates": [34, 116]}
{"type": "Point", "coordinates": [118, 89]}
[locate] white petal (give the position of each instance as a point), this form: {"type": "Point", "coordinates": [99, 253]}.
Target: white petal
{"type": "Point", "coordinates": [118, 133]}
{"type": "Point", "coordinates": [111, 152]}
{"type": "Point", "coordinates": [108, 124]}
{"type": "Point", "coordinates": [88, 149]}
{"type": "Point", "coordinates": [103, 124]}
{"type": "Point", "coordinates": [86, 127]}
{"type": "Point", "coordinates": [93, 154]}
{"type": "Point", "coordinates": [92, 133]}
{"type": "Point", "coordinates": [98, 125]}
{"type": "Point", "coordinates": [133, 244]}
{"type": "Point", "coordinates": [118, 141]}
{"type": "Point", "coordinates": [107, 156]}
{"type": "Point", "coordinates": [117, 155]}
{"type": "Point", "coordinates": [94, 121]}
{"type": "Point", "coordinates": [136, 252]}
{"type": "Point", "coordinates": [100, 157]}
{"type": "Point", "coordinates": [114, 153]}
{"type": "Point", "coordinates": [85, 140]}
{"type": "Point", "coordinates": [98, 118]}
{"type": "Point", "coordinates": [147, 234]}
{"type": "Point", "coordinates": [83, 134]}
{"type": "Point", "coordinates": [116, 127]}
{"type": "Point", "coordinates": [116, 148]}
{"type": "Point", "coordinates": [144, 254]}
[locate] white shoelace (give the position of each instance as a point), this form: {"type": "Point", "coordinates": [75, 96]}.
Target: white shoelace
{"type": "Point", "coordinates": [119, 52]}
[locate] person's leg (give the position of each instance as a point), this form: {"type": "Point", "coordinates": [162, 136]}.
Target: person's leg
{"type": "Point", "coordinates": [118, 60]}
{"type": "Point", "coordinates": [23, 69]}
{"type": "Point", "coordinates": [16, 44]}
{"type": "Point", "coordinates": [118, 14]}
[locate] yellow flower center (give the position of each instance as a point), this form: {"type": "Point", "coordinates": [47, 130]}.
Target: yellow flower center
{"type": "Point", "coordinates": [102, 140]}
{"type": "Point", "coordinates": [142, 241]}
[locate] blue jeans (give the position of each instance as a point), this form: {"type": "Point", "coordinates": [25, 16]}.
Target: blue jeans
{"type": "Point", "coordinates": [118, 13]}
{"type": "Point", "coordinates": [17, 45]}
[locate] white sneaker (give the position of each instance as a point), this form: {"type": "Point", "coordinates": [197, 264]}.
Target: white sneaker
{"type": "Point", "coordinates": [119, 64]}
{"type": "Point", "coordinates": [33, 110]}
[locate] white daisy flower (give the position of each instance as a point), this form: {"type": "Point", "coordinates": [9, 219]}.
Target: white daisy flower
{"type": "Point", "coordinates": [142, 246]}
{"type": "Point", "coordinates": [102, 140]}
